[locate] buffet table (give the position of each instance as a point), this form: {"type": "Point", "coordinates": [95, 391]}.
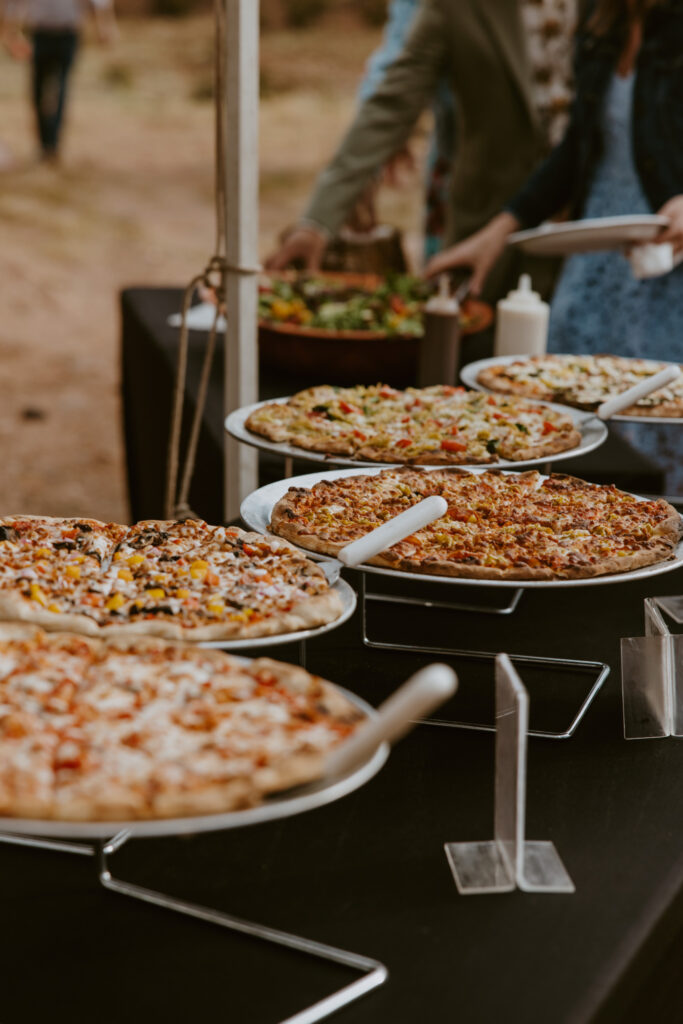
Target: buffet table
{"type": "Point", "coordinates": [149, 350]}
{"type": "Point", "coordinates": [369, 874]}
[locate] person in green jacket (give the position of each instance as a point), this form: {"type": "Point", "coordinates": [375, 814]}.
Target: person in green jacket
{"type": "Point", "coordinates": [509, 64]}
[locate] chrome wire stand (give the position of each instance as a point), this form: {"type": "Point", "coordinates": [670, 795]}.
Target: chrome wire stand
{"type": "Point", "coordinates": [373, 973]}
{"type": "Point", "coordinates": [598, 669]}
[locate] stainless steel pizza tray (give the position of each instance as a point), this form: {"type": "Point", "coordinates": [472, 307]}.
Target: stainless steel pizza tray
{"type": "Point", "coordinates": [281, 805]}
{"type": "Point", "coordinates": [470, 373]}
{"type": "Point", "coordinates": [593, 433]}
{"type": "Point", "coordinates": [348, 599]}
{"type": "Point", "coordinates": [257, 508]}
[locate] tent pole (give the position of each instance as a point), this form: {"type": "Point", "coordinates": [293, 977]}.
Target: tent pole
{"type": "Point", "coordinates": [241, 232]}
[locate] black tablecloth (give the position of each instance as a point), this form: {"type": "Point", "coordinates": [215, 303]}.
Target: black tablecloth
{"type": "Point", "coordinates": [149, 352]}
{"type": "Point", "coordinates": [369, 874]}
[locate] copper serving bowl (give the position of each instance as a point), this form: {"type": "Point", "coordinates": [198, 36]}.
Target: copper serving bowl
{"type": "Point", "coordinates": [350, 357]}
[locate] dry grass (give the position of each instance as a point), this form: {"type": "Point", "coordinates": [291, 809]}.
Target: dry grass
{"type": "Point", "coordinates": [132, 204]}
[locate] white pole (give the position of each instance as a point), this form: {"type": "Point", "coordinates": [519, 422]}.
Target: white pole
{"type": "Point", "coordinates": [241, 168]}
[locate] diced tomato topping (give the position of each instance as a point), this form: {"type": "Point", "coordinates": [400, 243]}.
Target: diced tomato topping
{"type": "Point", "coordinates": [498, 416]}
{"type": "Point", "coordinates": [397, 304]}
{"type": "Point", "coordinates": [405, 419]}
{"type": "Point", "coordinates": [455, 428]}
{"type": "Point", "coordinates": [70, 534]}
{"type": "Point", "coordinates": [388, 393]}
{"type": "Point", "coordinates": [249, 549]}
{"type": "Point", "coordinates": [212, 579]}
{"type": "Point", "coordinates": [448, 389]}
{"type": "Point", "coordinates": [491, 400]}
{"type": "Point", "coordinates": [360, 435]}
{"type": "Point", "coordinates": [345, 407]}
{"type": "Point", "coordinates": [92, 599]}
{"type": "Point", "coordinates": [548, 428]}
{"type": "Point", "coordinates": [453, 446]}
{"type": "Point", "coordinates": [404, 442]}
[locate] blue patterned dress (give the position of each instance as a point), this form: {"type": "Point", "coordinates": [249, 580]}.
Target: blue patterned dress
{"type": "Point", "coordinates": [599, 306]}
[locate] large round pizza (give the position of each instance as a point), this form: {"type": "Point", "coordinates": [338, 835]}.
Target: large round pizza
{"type": "Point", "coordinates": [117, 730]}
{"type": "Point", "coordinates": [584, 382]}
{"type": "Point", "coordinates": [440, 425]}
{"type": "Point", "coordinates": [499, 526]}
{"type": "Point", "coordinates": [180, 580]}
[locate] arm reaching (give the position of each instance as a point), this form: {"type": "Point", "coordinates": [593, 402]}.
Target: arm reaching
{"type": "Point", "coordinates": [478, 252]}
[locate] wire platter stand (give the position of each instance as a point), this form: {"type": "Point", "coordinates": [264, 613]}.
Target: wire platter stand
{"type": "Point", "coordinates": [105, 845]}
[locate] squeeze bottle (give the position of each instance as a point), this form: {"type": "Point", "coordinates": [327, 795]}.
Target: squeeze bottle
{"type": "Point", "coordinates": [521, 322]}
{"type": "Point", "coordinates": [440, 346]}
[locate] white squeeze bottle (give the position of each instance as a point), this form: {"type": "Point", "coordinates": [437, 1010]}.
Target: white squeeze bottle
{"type": "Point", "coordinates": [521, 322]}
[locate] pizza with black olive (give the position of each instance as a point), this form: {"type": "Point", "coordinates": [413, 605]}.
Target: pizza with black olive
{"type": "Point", "coordinates": [182, 580]}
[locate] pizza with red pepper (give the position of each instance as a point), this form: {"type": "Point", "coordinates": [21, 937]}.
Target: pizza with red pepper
{"type": "Point", "coordinates": [499, 526]}
{"type": "Point", "coordinates": [182, 580]}
{"type": "Point", "coordinates": [117, 730]}
{"type": "Point", "coordinates": [439, 425]}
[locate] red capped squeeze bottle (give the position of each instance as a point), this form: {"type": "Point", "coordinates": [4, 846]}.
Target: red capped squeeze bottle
{"type": "Point", "coordinates": [440, 347]}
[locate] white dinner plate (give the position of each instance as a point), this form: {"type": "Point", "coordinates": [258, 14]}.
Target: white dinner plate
{"type": "Point", "coordinates": [590, 235]}
{"type": "Point", "coordinates": [470, 373]}
{"type": "Point", "coordinates": [257, 509]}
{"type": "Point", "coordinates": [348, 600]}
{"type": "Point", "coordinates": [593, 433]}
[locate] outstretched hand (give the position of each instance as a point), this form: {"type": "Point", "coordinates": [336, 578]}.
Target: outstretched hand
{"type": "Point", "coordinates": [302, 243]}
{"type": "Point", "coordinates": [478, 252]}
{"type": "Point", "coordinates": [673, 209]}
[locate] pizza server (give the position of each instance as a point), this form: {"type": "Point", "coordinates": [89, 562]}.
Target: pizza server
{"type": "Point", "coordinates": [361, 550]}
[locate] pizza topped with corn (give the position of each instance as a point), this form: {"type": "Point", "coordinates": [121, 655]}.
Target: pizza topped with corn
{"type": "Point", "coordinates": [182, 580]}
{"type": "Point", "coordinates": [440, 425]}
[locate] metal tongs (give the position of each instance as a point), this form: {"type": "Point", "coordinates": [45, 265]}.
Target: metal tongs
{"type": "Point", "coordinates": [629, 397]}
{"type": "Point", "coordinates": [384, 536]}
{"type": "Point", "coordinates": [419, 696]}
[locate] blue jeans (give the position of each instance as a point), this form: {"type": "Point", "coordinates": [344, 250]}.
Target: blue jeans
{"type": "Point", "coordinates": [53, 54]}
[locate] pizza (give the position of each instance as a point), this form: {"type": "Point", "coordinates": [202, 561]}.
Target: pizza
{"type": "Point", "coordinates": [180, 580]}
{"type": "Point", "coordinates": [439, 425]}
{"type": "Point", "coordinates": [584, 382]}
{"type": "Point", "coordinates": [499, 526]}
{"type": "Point", "coordinates": [118, 730]}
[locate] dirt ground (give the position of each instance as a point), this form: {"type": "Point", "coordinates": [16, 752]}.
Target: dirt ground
{"type": "Point", "coordinates": [132, 204]}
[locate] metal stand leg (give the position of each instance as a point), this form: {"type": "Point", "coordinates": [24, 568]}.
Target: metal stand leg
{"type": "Point", "coordinates": [374, 973]}
{"type": "Point", "coordinates": [598, 668]}
{"type": "Point", "coordinates": [289, 466]}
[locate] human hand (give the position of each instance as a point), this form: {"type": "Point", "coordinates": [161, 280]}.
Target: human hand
{"type": "Point", "coordinates": [18, 46]}
{"type": "Point", "coordinates": [479, 252]}
{"type": "Point", "coordinates": [673, 209]}
{"type": "Point", "coordinates": [399, 168]}
{"type": "Point", "coordinates": [303, 243]}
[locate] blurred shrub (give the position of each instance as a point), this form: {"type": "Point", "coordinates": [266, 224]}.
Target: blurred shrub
{"type": "Point", "coordinates": [118, 75]}
{"type": "Point", "coordinates": [174, 8]}
{"type": "Point", "coordinates": [300, 13]}
{"type": "Point", "coordinates": [203, 88]}
{"type": "Point", "coordinates": [375, 11]}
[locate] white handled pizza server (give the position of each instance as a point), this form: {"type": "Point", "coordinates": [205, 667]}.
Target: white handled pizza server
{"type": "Point", "coordinates": [384, 536]}
{"type": "Point", "coordinates": [419, 696]}
{"type": "Point", "coordinates": [620, 402]}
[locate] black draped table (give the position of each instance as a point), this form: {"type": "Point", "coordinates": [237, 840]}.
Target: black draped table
{"type": "Point", "coordinates": [149, 352]}
{"type": "Point", "coordinates": [369, 874]}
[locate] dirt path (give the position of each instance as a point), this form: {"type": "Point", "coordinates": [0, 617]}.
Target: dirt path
{"type": "Point", "coordinates": [132, 204]}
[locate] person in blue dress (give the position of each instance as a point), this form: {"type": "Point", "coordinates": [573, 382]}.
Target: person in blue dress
{"type": "Point", "coordinates": [622, 154]}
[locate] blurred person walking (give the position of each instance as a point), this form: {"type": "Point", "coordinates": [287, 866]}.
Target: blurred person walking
{"type": "Point", "coordinates": [47, 32]}
{"type": "Point", "coordinates": [508, 63]}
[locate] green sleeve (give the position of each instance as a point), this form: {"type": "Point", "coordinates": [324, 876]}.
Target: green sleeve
{"type": "Point", "coordinates": [384, 122]}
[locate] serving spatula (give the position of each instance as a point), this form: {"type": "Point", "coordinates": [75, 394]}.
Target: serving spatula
{"type": "Point", "coordinates": [384, 536]}
{"type": "Point", "coordinates": [417, 698]}
{"type": "Point", "coordinates": [613, 406]}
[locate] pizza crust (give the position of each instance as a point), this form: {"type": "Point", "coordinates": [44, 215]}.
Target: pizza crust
{"type": "Point", "coordinates": [662, 546]}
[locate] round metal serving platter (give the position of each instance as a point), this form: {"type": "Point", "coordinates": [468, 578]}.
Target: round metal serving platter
{"type": "Point", "coordinates": [280, 805]}
{"type": "Point", "coordinates": [257, 508]}
{"type": "Point", "coordinates": [469, 374]}
{"type": "Point", "coordinates": [348, 600]}
{"type": "Point", "coordinates": [593, 433]}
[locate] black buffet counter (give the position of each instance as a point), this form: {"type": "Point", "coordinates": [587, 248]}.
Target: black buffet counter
{"type": "Point", "coordinates": [368, 873]}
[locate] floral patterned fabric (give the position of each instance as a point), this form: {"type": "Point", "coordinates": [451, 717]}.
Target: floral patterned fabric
{"type": "Point", "coordinates": [599, 306]}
